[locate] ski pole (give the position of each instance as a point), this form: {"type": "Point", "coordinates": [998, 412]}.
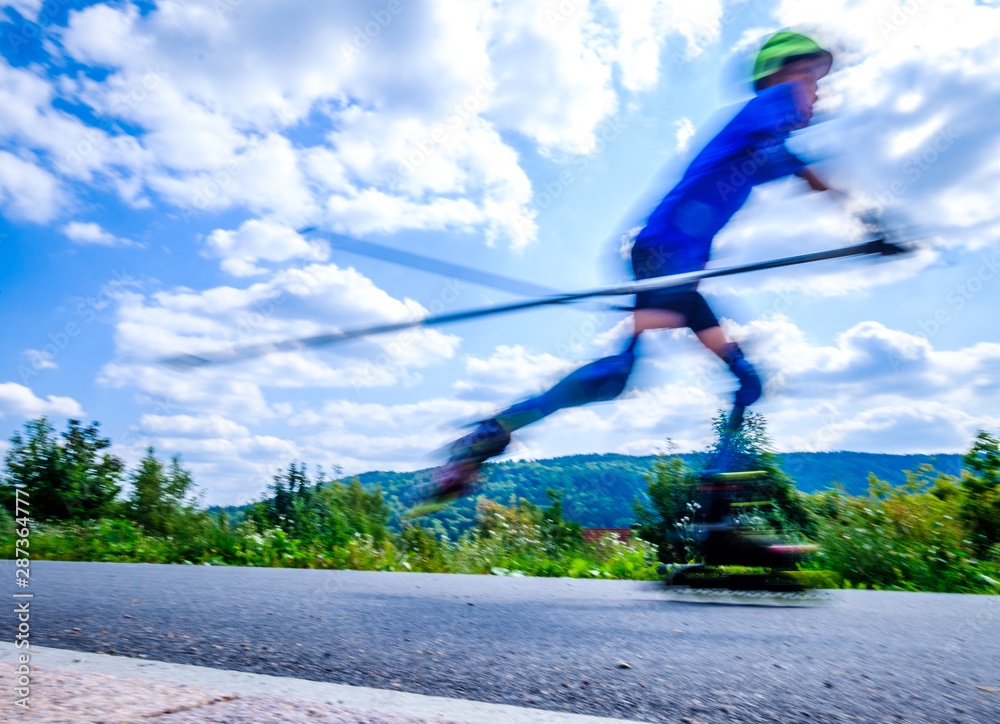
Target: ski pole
{"type": "Point", "coordinates": [191, 361]}
{"type": "Point", "coordinates": [433, 266]}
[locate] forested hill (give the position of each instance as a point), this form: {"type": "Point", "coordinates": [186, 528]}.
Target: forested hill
{"type": "Point", "coordinates": [599, 489]}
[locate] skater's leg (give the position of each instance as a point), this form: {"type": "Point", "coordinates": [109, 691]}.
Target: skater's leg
{"type": "Point", "coordinates": [730, 353]}
{"type": "Point", "coordinates": [601, 380]}
{"type": "Point", "coordinates": [598, 381]}
{"type": "Point", "coordinates": [689, 309]}
{"type": "Point", "coordinates": [646, 319]}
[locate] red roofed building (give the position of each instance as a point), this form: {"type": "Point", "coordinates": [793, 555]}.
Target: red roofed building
{"type": "Point", "coordinates": [593, 535]}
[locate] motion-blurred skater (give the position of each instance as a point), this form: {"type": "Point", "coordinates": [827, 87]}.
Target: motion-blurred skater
{"type": "Point", "coordinates": [677, 238]}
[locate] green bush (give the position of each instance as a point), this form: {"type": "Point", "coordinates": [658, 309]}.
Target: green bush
{"type": "Point", "coordinates": [979, 492]}
{"type": "Point", "coordinates": [906, 537]}
{"type": "Point", "coordinates": [932, 533]}
{"type": "Point", "coordinates": [68, 479]}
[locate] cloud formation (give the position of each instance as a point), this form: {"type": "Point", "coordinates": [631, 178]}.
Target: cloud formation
{"type": "Point", "coordinates": [207, 108]}
{"type": "Point", "coordinates": [19, 401]}
{"type": "Point", "coordinates": [291, 303]}
{"type": "Point", "coordinates": [89, 232]}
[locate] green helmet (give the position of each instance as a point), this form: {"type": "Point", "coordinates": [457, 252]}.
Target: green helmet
{"type": "Point", "coordinates": [786, 47]}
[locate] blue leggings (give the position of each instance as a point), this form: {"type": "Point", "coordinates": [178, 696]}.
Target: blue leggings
{"type": "Point", "coordinates": [605, 379]}
{"type": "Point", "coordinates": [599, 381]}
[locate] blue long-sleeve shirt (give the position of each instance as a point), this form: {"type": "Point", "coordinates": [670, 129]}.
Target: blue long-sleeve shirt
{"type": "Point", "coordinates": [750, 150]}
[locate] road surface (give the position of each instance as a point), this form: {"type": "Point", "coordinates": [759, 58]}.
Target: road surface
{"type": "Point", "coordinates": [612, 648]}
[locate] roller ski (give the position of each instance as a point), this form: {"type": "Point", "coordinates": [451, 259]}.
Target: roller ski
{"type": "Point", "coordinates": [738, 561]}
{"type": "Point", "coordinates": [729, 549]}
{"type": "Point", "coordinates": [458, 477]}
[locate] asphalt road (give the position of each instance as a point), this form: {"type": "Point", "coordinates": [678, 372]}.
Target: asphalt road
{"type": "Point", "coordinates": [557, 644]}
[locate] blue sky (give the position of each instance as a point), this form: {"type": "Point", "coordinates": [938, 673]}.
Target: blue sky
{"type": "Point", "coordinates": [156, 158]}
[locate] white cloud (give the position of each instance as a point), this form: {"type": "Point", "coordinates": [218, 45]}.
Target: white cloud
{"type": "Point", "coordinates": [876, 389]}
{"type": "Point", "coordinates": [56, 143]}
{"type": "Point", "coordinates": [292, 303]}
{"type": "Point", "coordinates": [553, 74]}
{"type": "Point", "coordinates": [20, 401]}
{"type": "Point", "coordinates": [189, 425]}
{"type": "Point", "coordinates": [27, 191]}
{"type": "Point", "coordinates": [645, 27]}
{"type": "Point", "coordinates": [215, 114]}
{"type": "Point", "coordinates": [104, 35]}
{"type": "Point", "coordinates": [230, 464]}
{"type": "Point", "coordinates": [424, 415]}
{"type": "Point", "coordinates": [90, 232]}
{"type": "Point", "coordinates": [684, 133]}
{"type": "Point", "coordinates": [220, 98]}
{"type": "Point", "coordinates": [510, 371]}
{"type": "Point", "coordinates": [873, 389]}
{"type": "Point", "coordinates": [27, 8]}
{"type": "Point", "coordinates": [40, 360]}
{"type": "Point", "coordinates": [257, 240]}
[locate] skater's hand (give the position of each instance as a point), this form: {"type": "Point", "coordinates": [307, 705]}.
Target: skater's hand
{"type": "Point", "coordinates": [871, 220]}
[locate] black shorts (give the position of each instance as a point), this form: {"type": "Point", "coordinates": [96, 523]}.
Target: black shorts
{"type": "Point", "coordinates": [648, 263]}
{"type": "Point", "coordinates": [697, 314]}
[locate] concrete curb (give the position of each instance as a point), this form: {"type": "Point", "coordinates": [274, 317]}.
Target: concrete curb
{"type": "Point", "coordinates": [396, 703]}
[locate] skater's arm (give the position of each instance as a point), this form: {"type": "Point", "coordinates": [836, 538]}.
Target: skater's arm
{"type": "Point", "coordinates": [818, 184]}
{"type": "Point", "coordinates": [868, 217]}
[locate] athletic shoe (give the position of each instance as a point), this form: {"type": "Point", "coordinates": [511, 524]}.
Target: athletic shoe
{"type": "Point", "coordinates": [457, 477]}
{"type": "Point", "coordinates": [750, 385]}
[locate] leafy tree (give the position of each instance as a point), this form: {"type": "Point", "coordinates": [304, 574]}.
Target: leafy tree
{"type": "Point", "coordinates": [157, 501]}
{"type": "Point", "coordinates": [559, 534]}
{"type": "Point", "coordinates": [92, 479]}
{"type": "Point", "coordinates": [289, 501]}
{"type": "Point", "coordinates": [672, 504]}
{"type": "Point", "coordinates": [980, 483]}
{"type": "Point", "coordinates": [67, 480]}
{"type": "Point", "coordinates": [366, 512]}
{"type": "Point", "coordinates": [321, 510]}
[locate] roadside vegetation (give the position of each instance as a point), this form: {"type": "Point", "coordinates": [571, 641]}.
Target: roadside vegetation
{"type": "Point", "coordinates": [934, 532]}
